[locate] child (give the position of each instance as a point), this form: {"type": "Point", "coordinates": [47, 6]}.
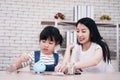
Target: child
{"type": "Point", "coordinates": [49, 38]}
{"type": "Point", "coordinates": [91, 54]}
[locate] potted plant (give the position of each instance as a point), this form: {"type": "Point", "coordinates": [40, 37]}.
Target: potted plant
{"type": "Point", "coordinates": [105, 17]}
{"type": "Point", "coordinates": [59, 16]}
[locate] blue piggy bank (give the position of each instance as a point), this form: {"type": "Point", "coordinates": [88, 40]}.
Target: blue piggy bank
{"type": "Point", "coordinates": [39, 67]}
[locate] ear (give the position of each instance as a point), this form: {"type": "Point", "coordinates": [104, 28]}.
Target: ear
{"type": "Point", "coordinates": [91, 36]}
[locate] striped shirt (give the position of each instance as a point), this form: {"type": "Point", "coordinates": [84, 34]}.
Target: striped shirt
{"type": "Point", "coordinates": [47, 59]}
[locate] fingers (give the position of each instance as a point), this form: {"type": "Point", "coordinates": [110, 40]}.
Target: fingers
{"type": "Point", "coordinates": [71, 46]}
{"type": "Point", "coordinates": [77, 70]}
{"type": "Point", "coordinates": [58, 68]}
{"type": "Point", "coordinates": [24, 58]}
{"type": "Point", "coordinates": [61, 68]}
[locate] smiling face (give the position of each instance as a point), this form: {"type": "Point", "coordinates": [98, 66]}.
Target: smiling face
{"type": "Point", "coordinates": [47, 46]}
{"type": "Point", "coordinates": [83, 34]}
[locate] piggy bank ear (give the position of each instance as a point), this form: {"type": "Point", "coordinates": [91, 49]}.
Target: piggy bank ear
{"type": "Point", "coordinates": [41, 62]}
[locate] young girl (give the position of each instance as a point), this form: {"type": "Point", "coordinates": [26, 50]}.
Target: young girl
{"type": "Point", "coordinates": [91, 54]}
{"type": "Point", "coordinates": [49, 38]}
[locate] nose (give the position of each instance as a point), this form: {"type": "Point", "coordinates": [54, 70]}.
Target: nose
{"type": "Point", "coordinates": [79, 34]}
{"type": "Point", "coordinates": [46, 44]}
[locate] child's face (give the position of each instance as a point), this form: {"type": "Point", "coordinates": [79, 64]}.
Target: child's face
{"type": "Point", "coordinates": [83, 34]}
{"type": "Point", "coordinates": [47, 46]}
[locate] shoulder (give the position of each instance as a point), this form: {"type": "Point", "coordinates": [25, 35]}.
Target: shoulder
{"type": "Point", "coordinates": [96, 46]}
{"type": "Point", "coordinates": [31, 55]}
{"type": "Point", "coordinates": [58, 55]}
{"type": "Point", "coordinates": [55, 54]}
{"type": "Point", "coordinates": [98, 49]}
{"type": "Point", "coordinates": [37, 51]}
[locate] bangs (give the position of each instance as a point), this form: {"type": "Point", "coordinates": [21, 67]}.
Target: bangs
{"type": "Point", "coordinates": [46, 35]}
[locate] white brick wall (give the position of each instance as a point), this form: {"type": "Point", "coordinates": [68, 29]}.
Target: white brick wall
{"type": "Point", "coordinates": [20, 21]}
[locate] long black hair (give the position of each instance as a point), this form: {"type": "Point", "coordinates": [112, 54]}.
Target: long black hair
{"type": "Point", "coordinates": [52, 33]}
{"type": "Point", "coordinates": [95, 36]}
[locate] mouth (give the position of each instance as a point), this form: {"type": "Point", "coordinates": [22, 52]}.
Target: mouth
{"type": "Point", "coordinates": [45, 49]}
{"type": "Point", "coordinates": [81, 39]}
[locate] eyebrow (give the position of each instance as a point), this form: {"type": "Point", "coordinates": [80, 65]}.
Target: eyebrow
{"type": "Point", "coordinates": [82, 29]}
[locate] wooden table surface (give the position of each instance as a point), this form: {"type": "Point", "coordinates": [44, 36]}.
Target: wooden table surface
{"type": "Point", "coordinates": [84, 76]}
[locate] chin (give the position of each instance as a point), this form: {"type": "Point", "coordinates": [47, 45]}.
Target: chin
{"type": "Point", "coordinates": [45, 52]}
{"type": "Point", "coordinates": [82, 43]}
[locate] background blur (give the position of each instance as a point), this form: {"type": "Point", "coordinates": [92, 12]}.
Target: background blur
{"type": "Point", "coordinates": [20, 24]}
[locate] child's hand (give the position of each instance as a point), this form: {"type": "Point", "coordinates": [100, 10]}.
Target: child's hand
{"type": "Point", "coordinates": [24, 58]}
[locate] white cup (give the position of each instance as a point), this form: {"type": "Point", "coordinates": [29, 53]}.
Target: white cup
{"type": "Point", "coordinates": [70, 68]}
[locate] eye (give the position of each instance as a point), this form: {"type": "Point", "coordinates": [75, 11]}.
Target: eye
{"type": "Point", "coordinates": [43, 41]}
{"type": "Point", "coordinates": [77, 31]}
{"type": "Point", "coordinates": [84, 31]}
{"type": "Point", "coordinates": [51, 42]}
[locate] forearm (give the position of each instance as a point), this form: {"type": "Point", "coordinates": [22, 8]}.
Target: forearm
{"type": "Point", "coordinates": [66, 56]}
{"type": "Point", "coordinates": [87, 63]}
{"type": "Point", "coordinates": [14, 66]}
{"type": "Point", "coordinates": [93, 60]}
{"type": "Point", "coordinates": [22, 61]}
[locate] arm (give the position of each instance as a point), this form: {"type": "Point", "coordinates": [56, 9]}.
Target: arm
{"type": "Point", "coordinates": [17, 64]}
{"type": "Point", "coordinates": [67, 55]}
{"type": "Point", "coordinates": [91, 61]}
{"type": "Point", "coordinates": [62, 66]}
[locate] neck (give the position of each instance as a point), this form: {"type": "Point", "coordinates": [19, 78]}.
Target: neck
{"type": "Point", "coordinates": [46, 53]}
{"type": "Point", "coordinates": [86, 46]}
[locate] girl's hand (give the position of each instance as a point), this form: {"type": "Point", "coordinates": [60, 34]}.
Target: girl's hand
{"type": "Point", "coordinates": [16, 64]}
{"type": "Point", "coordinates": [24, 58]}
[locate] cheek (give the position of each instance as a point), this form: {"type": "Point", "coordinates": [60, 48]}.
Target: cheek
{"type": "Point", "coordinates": [40, 44]}
{"type": "Point", "coordinates": [78, 34]}
{"type": "Point", "coordinates": [88, 36]}
{"type": "Point", "coordinates": [52, 47]}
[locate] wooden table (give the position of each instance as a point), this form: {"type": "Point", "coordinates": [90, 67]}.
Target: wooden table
{"type": "Point", "coordinates": [84, 76]}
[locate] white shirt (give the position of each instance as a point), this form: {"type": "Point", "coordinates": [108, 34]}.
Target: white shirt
{"type": "Point", "coordinates": [79, 55]}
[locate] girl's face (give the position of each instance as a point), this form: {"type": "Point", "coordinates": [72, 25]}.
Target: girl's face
{"type": "Point", "coordinates": [83, 34]}
{"type": "Point", "coordinates": [47, 46]}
